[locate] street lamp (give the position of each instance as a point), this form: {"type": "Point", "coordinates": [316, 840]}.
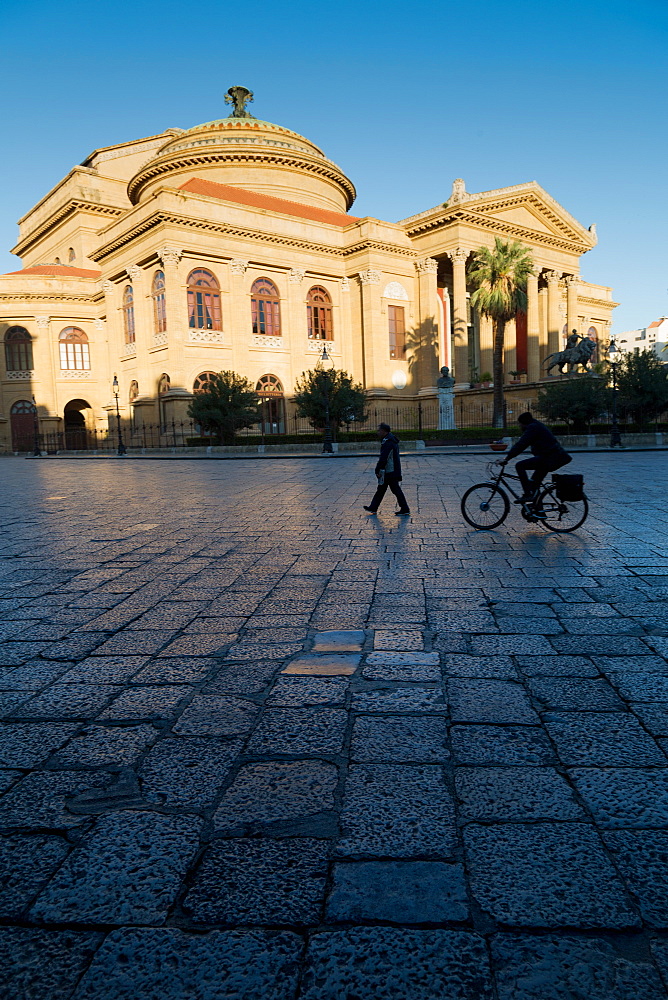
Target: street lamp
{"type": "Point", "coordinates": [613, 355]}
{"type": "Point", "coordinates": [327, 443]}
{"type": "Point", "coordinates": [121, 450]}
{"type": "Point", "coordinates": [35, 419]}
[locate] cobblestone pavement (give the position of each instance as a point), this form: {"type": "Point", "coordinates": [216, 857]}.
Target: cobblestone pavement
{"type": "Point", "coordinates": [464, 797]}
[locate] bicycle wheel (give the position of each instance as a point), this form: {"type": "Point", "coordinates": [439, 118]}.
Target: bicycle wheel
{"type": "Point", "coordinates": [485, 506]}
{"type": "Point", "coordinates": [561, 515]}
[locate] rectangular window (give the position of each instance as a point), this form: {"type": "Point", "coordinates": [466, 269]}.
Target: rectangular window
{"type": "Point", "coordinates": [397, 330]}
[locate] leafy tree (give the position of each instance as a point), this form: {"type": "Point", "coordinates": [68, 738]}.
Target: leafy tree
{"type": "Point", "coordinates": [227, 403]}
{"type": "Point", "coordinates": [577, 400]}
{"type": "Point", "coordinates": [500, 280]}
{"type": "Point", "coordinates": [642, 381]}
{"type": "Point", "coordinates": [346, 398]}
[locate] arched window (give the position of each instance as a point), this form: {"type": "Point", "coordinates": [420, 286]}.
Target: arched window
{"type": "Point", "coordinates": [265, 308]}
{"type": "Point", "coordinates": [18, 350]}
{"type": "Point", "coordinates": [272, 404]}
{"type": "Point", "coordinates": [134, 391]}
{"type": "Point", "coordinates": [592, 333]}
{"type": "Point", "coordinates": [203, 380]}
{"type": "Point", "coordinates": [74, 351]}
{"type": "Point", "coordinates": [129, 314]}
{"type": "Point", "coordinates": [71, 255]}
{"type": "Point", "coordinates": [164, 385]}
{"type": "Point", "coordinates": [203, 301]}
{"type": "Point", "coordinates": [319, 312]}
{"type": "Point", "coordinates": [57, 260]}
{"type": "Point", "coordinates": [158, 295]}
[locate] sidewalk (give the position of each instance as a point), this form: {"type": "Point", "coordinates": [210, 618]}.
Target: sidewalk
{"type": "Point", "coordinates": [258, 745]}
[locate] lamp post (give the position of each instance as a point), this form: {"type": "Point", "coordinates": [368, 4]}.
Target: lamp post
{"type": "Point", "coordinates": [121, 450]}
{"type": "Point", "coordinates": [35, 417]}
{"type": "Point", "coordinates": [613, 354]}
{"type": "Point", "coordinates": [327, 443]}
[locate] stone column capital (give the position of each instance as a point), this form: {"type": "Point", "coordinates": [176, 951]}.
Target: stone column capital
{"type": "Point", "coordinates": [297, 275]}
{"type": "Point", "coordinates": [345, 284]}
{"type": "Point", "coordinates": [238, 266]}
{"type": "Point", "coordinates": [42, 322]}
{"type": "Point", "coordinates": [572, 279]}
{"type": "Point", "coordinates": [552, 277]}
{"type": "Point", "coordinates": [108, 287]}
{"type": "Point", "coordinates": [459, 255]}
{"type": "Point", "coordinates": [170, 255]}
{"type": "Point", "coordinates": [133, 272]}
{"type": "Point", "coordinates": [369, 277]}
{"type": "Point", "coordinates": [426, 266]}
{"type": "Point", "coordinates": [99, 324]}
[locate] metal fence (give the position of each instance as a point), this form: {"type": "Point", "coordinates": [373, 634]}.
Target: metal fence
{"type": "Point", "coordinates": [409, 419]}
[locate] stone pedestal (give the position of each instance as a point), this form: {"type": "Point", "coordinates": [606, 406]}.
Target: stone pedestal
{"type": "Point", "coordinates": [446, 409]}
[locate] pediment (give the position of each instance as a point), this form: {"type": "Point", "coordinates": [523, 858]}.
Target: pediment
{"type": "Point", "coordinates": [531, 210]}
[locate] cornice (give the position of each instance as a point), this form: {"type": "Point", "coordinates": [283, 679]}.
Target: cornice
{"type": "Point", "coordinates": [158, 168]}
{"type": "Point", "coordinates": [67, 209]}
{"type": "Point", "coordinates": [600, 303]}
{"type": "Point", "coordinates": [45, 297]}
{"type": "Point", "coordinates": [486, 223]}
{"type": "Point", "coordinates": [203, 225]}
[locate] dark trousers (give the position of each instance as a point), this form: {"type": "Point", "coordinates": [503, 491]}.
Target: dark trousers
{"type": "Point", "coordinates": [394, 486]}
{"type": "Point", "coordinates": [541, 467]}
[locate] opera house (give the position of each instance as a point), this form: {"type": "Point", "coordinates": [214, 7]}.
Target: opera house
{"type": "Point", "coordinates": [231, 245]}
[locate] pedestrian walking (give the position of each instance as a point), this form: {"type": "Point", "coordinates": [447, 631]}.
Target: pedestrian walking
{"type": "Point", "coordinates": [548, 455]}
{"type": "Point", "coordinates": [388, 472]}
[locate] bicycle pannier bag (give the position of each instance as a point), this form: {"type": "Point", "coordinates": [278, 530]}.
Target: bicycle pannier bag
{"type": "Point", "coordinates": [569, 487]}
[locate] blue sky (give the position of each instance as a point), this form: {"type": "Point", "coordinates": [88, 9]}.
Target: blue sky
{"type": "Point", "coordinates": [404, 97]}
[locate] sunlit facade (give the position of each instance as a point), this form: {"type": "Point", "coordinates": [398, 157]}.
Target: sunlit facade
{"type": "Point", "coordinates": [231, 245]}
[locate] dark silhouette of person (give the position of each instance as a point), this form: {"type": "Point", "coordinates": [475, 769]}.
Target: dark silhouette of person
{"type": "Point", "coordinates": [548, 455]}
{"type": "Point", "coordinates": [388, 472]}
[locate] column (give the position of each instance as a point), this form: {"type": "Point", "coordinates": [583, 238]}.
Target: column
{"type": "Point", "coordinates": [428, 328]}
{"type": "Point", "coordinates": [509, 349]}
{"type": "Point", "coordinates": [533, 330]}
{"type": "Point", "coordinates": [553, 314]}
{"type": "Point", "coordinates": [350, 346]}
{"type": "Point", "coordinates": [486, 345]}
{"type": "Point", "coordinates": [238, 327]}
{"type": "Point", "coordinates": [459, 314]}
{"type": "Point", "coordinates": [572, 287]}
{"type": "Point", "coordinates": [374, 336]}
{"type": "Point", "coordinates": [444, 332]}
{"type": "Point", "coordinates": [176, 313]}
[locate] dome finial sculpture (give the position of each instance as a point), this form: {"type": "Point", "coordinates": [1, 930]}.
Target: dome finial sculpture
{"type": "Point", "coordinates": [239, 97]}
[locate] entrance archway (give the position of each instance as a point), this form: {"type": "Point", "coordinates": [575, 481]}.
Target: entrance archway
{"type": "Point", "coordinates": [272, 404]}
{"type": "Point", "coordinates": [76, 433]}
{"type": "Point", "coordinates": [22, 423]}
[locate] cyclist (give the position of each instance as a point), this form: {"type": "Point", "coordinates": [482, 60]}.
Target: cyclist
{"type": "Point", "coordinates": [548, 455]}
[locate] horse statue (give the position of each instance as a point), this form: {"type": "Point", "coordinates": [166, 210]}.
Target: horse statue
{"type": "Point", "coordinates": [573, 356]}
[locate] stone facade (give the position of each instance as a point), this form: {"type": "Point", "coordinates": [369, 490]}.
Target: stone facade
{"type": "Point", "coordinates": [244, 200]}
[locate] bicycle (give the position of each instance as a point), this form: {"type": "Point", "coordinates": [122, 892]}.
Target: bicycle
{"type": "Point", "coordinates": [486, 505]}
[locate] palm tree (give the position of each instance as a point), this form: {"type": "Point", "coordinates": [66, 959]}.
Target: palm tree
{"type": "Point", "coordinates": [500, 279]}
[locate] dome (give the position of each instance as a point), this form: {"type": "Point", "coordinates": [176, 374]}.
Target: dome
{"type": "Point", "coordinates": [247, 153]}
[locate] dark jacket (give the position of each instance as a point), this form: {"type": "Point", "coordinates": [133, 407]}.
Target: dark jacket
{"type": "Point", "coordinates": [388, 460]}
{"type": "Point", "coordinates": [540, 439]}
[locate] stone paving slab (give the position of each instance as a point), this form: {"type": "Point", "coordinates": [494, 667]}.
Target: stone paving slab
{"type": "Point", "coordinates": [560, 967]}
{"type": "Point", "coordinates": [127, 870]}
{"type": "Point", "coordinates": [488, 780]}
{"type": "Point", "coordinates": [222, 965]}
{"type": "Point", "coordinates": [383, 963]}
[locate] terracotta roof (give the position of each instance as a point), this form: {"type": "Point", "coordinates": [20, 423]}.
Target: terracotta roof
{"type": "Point", "coordinates": [254, 200]}
{"type": "Point", "coordinates": [59, 271]}
{"type": "Point", "coordinates": [657, 322]}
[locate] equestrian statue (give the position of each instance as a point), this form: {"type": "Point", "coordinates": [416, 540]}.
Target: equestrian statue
{"type": "Point", "coordinates": [578, 354]}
